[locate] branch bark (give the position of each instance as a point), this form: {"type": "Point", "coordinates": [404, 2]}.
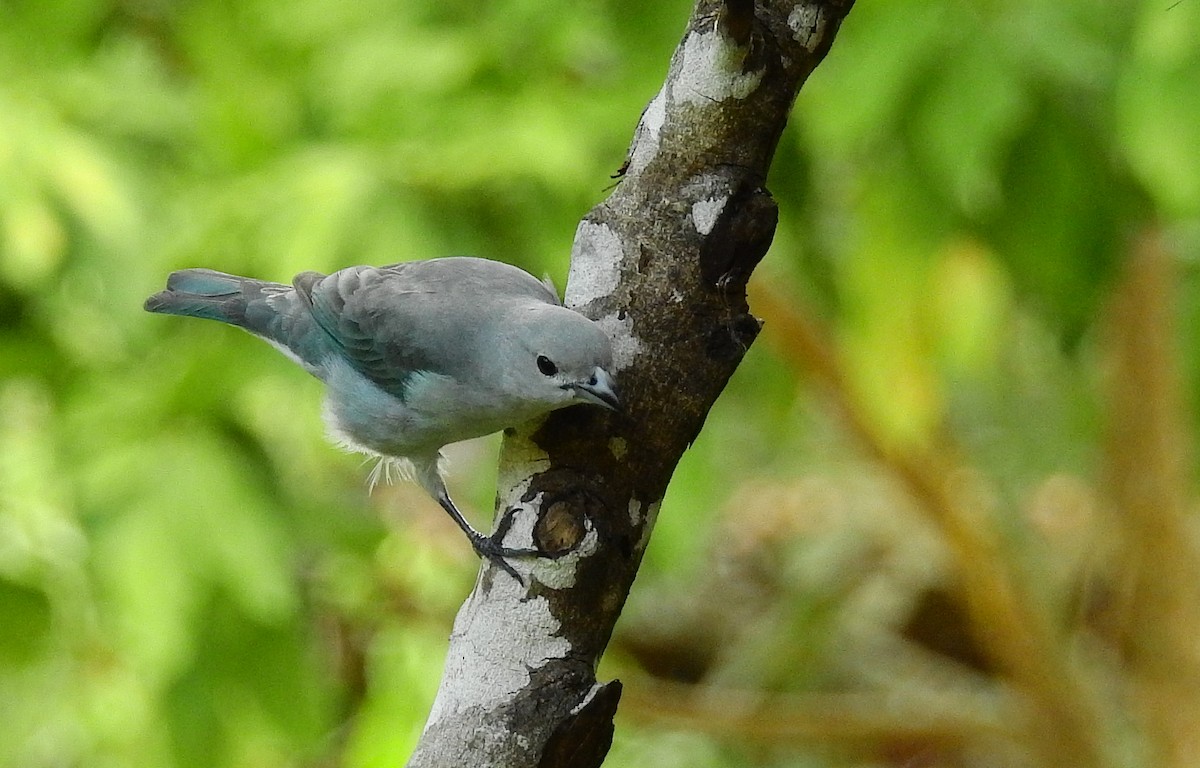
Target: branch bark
{"type": "Point", "coordinates": [662, 265]}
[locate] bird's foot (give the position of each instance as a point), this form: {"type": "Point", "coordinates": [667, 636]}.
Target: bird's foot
{"type": "Point", "coordinates": [491, 548]}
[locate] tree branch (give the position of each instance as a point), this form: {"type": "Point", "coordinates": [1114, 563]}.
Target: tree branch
{"type": "Point", "coordinates": [662, 265]}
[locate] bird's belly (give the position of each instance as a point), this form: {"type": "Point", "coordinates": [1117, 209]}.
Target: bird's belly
{"type": "Point", "coordinates": [436, 411]}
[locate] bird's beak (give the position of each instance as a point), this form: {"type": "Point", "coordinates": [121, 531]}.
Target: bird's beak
{"type": "Point", "coordinates": [599, 390]}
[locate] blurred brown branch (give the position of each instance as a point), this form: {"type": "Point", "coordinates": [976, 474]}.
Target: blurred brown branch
{"type": "Point", "coordinates": [944, 719]}
{"type": "Point", "coordinates": [1062, 699]}
{"type": "Point", "coordinates": [1007, 619]}
{"type": "Point", "coordinates": [1149, 455]}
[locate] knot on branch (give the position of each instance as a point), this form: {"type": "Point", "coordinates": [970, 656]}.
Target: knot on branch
{"type": "Point", "coordinates": [736, 236]}
{"type": "Point", "coordinates": [569, 508]}
{"type": "Point", "coordinates": [559, 529]}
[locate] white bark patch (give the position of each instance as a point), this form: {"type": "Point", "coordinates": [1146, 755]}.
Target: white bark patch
{"type": "Point", "coordinates": [520, 532]}
{"type": "Point", "coordinates": [648, 136]}
{"type": "Point", "coordinates": [807, 24]}
{"type": "Point", "coordinates": [502, 632]}
{"type": "Point", "coordinates": [626, 347]}
{"type": "Point", "coordinates": [561, 572]}
{"type": "Point", "coordinates": [525, 459]}
{"type": "Point", "coordinates": [591, 694]}
{"type": "Point", "coordinates": [515, 478]}
{"type": "Point", "coordinates": [648, 526]}
{"type": "Point", "coordinates": [595, 264]}
{"type": "Point", "coordinates": [511, 633]}
{"type": "Point", "coordinates": [711, 70]}
{"type": "Point", "coordinates": [706, 212]}
{"type": "Point", "coordinates": [635, 512]}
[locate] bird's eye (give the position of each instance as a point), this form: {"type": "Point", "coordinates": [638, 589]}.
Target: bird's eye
{"type": "Point", "coordinates": [546, 366]}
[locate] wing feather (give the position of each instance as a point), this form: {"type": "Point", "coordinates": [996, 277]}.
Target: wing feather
{"type": "Point", "coordinates": [393, 322]}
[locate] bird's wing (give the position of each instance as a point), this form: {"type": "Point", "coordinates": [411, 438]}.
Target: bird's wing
{"type": "Point", "coordinates": [423, 316]}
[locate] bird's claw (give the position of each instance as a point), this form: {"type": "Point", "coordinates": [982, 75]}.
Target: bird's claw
{"type": "Point", "coordinates": [490, 548]}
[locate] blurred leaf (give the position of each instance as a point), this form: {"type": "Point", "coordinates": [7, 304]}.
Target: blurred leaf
{"type": "Point", "coordinates": [884, 49]}
{"type": "Point", "coordinates": [25, 629]}
{"type": "Point", "coordinates": [34, 243]}
{"type": "Point", "coordinates": [970, 305]}
{"type": "Point", "coordinates": [404, 666]}
{"type": "Point", "coordinates": [1158, 107]}
{"type": "Point", "coordinates": [254, 690]}
{"type": "Point", "coordinates": [883, 335]}
{"type": "Point", "coordinates": [966, 116]}
{"type": "Point", "coordinates": [1061, 228]}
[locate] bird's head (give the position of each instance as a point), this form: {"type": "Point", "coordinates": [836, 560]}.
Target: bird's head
{"type": "Point", "coordinates": [562, 359]}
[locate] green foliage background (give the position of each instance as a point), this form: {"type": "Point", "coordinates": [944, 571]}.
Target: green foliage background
{"type": "Point", "coordinates": [191, 576]}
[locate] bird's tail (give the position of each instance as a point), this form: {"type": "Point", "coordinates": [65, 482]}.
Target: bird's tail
{"type": "Point", "coordinates": [206, 293]}
{"type": "Point", "coordinates": [272, 311]}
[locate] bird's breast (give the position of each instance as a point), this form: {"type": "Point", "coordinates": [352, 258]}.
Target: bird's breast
{"type": "Point", "coordinates": [436, 410]}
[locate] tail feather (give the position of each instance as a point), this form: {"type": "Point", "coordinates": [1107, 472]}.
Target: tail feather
{"type": "Point", "coordinates": [266, 309]}
{"type": "Point", "coordinates": [204, 293]}
{"type": "Point", "coordinates": [271, 311]}
{"type": "Point", "coordinates": [206, 282]}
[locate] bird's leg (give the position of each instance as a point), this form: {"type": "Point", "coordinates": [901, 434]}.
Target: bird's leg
{"type": "Point", "coordinates": [427, 474]}
{"type": "Point", "coordinates": [485, 546]}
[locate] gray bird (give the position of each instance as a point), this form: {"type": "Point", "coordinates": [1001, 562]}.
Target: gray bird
{"type": "Point", "coordinates": [417, 355]}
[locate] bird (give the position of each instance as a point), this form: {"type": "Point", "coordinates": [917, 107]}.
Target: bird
{"type": "Point", "coordinates": [417, 355]}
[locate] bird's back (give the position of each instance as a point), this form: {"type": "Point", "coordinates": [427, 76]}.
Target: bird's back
{"type": "Point", "coordinates": [388, 322]}
{"type": "Point", "coordinates": [393, 322]}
